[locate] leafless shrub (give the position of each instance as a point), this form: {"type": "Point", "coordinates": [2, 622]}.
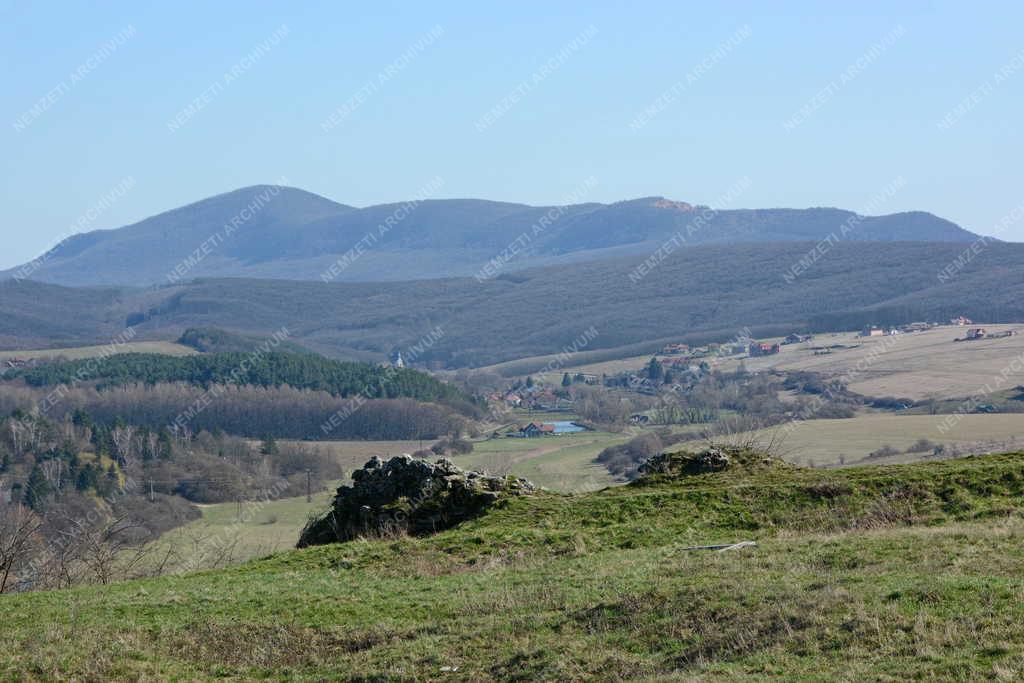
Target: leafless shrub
{"type": "Point", "coordinates": [19, 539]}
{"type": "Point", "coordinates": [747, 433]}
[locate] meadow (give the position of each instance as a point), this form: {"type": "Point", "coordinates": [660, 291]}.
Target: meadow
{"type": "Point", "coordinates": [560, 463]}
{"type": "Point", "coordinates": [908, 572]}
{"type": "Point", "coordinates": [228, 533]}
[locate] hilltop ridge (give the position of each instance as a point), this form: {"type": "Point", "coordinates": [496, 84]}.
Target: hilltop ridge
{"type": "Point", "coordinates": [272, 231]}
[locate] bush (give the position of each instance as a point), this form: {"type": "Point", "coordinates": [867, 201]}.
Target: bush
{"type": "Point", "coordinates": [921, 446]}
{"type": "Point", "coordinates": [452, 446]}
{"type": "Point", "coordinates": [892, 403]}
{"type": "Point", "coordinates": [885, 451]}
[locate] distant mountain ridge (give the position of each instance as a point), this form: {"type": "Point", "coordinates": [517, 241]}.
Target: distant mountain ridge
{"type": "Point", "coordinates": [270, 231]}
{"type": "Point", "coordinates": [706, 293]}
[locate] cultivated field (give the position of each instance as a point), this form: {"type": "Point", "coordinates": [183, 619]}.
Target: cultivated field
{"type": "Point", "coordinates": [79, 352]}
{"type": "Point", "coordinates": [919, 365]}
{"type": "Point", "coordinates": [827, 442]}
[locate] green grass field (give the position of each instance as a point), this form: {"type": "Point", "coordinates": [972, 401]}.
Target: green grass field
{"type": "Point", "coordinates": [561, 463]}
{"type": "Point", "coordinates": [354, 454]}
{"type": "Point", "coordinates": [223, 536]}
{"type": "Point", "coordinates": [911, 572]}
{"type": "Point", "coordinates": [523, 417]}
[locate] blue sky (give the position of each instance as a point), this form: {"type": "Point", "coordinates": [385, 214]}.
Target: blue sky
{"type": "Point", "coordinates": [874, 84]}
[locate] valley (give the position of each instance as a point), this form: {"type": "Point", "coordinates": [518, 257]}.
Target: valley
{"type": "Point", "coordinates": [519, 342]}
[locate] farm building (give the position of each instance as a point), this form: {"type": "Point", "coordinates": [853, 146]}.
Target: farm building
{"type": "Point", "coordinates": [535, 429]}
{"type": "Point", "coordinates": [675, 349]}
{"type": "Point", "coordinates": [763, 349]}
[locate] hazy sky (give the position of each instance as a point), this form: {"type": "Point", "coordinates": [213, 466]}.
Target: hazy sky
{"type": "Point", "coordinates": [155, 107]}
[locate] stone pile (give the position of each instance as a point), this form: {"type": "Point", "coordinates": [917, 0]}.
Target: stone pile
{"type": "Point", "coordinates": [713, 459]}
{"type": "Point", "coordinates": [406, 495]}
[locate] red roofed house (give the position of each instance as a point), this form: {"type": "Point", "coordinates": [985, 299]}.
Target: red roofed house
{"type": "Point", "coordinates": [763, 349]}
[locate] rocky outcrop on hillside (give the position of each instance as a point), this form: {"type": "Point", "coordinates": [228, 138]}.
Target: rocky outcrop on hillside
{"type": "Point", "coordinates": [407, 495]}
{"type": "Point", "coordinates": [709, 460]}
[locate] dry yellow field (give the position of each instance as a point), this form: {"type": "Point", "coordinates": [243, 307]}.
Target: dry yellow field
{"type": "Point", "coordinates": [825, 442]}
{"type": "Point", "coordinates": [919, 365]}
{"type": "Point", "coordinates": [79, 352]}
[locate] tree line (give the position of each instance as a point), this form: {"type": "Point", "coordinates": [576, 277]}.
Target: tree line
{"type": "Point", "coordinates": [274, 369]}
{"type": "Point", "coordinates": [249, 411]}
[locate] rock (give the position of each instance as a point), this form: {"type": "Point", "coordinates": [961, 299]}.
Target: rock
{"type": "Point", "coordinates": [408, 495]}
{"type": "Point", "coordinates": [709, 460]}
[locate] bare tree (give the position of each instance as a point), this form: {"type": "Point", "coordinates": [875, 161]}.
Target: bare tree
{"type": "Point", "coordinates": [122, 436]}
{"type": "Point", "coordinates": [19, 537]}
{"type": "Point", "coordinates": [109, 552]}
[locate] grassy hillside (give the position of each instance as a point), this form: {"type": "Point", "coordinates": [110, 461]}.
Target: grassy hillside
{"type": "Point", "coordinates": [264, 527]}
{"type": "Point", "coordinates": [41, 316]}
{"type": "Point", "coordinates": [702, 292]}
{"type": "Point", "coordinates": [902, 572]}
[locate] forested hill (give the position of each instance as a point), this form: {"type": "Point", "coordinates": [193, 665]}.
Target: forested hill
{"type": "Point", "coordinates": [293, 234]}
{"type": "Point", "coordinates": [711, 291]}
{"type": "Point", "coordinates": [213, 340]}
{"type": "Point", "coordinates": [273, 369]}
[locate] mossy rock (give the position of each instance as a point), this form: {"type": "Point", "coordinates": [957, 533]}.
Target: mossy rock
{"type": "Point", "coordinates": [406, 495]}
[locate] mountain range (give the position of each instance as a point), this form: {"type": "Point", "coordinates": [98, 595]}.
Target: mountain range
{"type": "Point", "coordinates": [704, 293]}
{"type": "Point", "coordinates": [270, 231]}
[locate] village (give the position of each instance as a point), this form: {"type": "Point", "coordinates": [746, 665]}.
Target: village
{"type": "Point", "coordinates": [558, 399]}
